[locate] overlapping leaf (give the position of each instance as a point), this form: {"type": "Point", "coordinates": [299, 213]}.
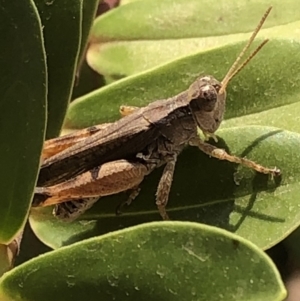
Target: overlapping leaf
{"type": "Point", "coordinates": [23, 88]}
{"type": "Point", "coordinates": [63, 37]}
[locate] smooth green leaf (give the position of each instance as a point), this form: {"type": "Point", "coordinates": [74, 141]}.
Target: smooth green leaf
{"type": "Point", "coordinates": [120, 59]}
{"type": "Point", "coordinates": [169, 19]}
{"type": "Point", "coordinates": [157, 261]}
{"type": "Point", "coordinates": [85, 77]}
{"type": "Point", "coordinates": [286, 117]}
{"type": "Point", "coordinates": [23, 88]}
{"type": "Point", "coordinates": [207, 190]}
{"type": "Point", "coordinates": [272, 79]}
{"type": "Point", "coordinates": [62, 24]}
{"type": "Point", "coordinates": [139, 49]}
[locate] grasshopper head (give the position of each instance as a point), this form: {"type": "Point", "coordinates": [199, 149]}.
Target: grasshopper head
{"type": "Point", "coordinates": [207, 104]}
{"type": "Point", "coordinates": [207, 95]}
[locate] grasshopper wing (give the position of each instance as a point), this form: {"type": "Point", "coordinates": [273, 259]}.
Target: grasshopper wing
{"type": "Point", "coordinates": [119, 140]}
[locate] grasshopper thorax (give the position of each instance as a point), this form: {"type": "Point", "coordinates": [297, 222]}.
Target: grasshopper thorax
{"type": "Point", "coordinates": [207, 105]}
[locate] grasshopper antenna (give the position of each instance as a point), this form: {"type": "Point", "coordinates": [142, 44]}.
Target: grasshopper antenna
{"type": "Point", "coordinates": [233, 71]}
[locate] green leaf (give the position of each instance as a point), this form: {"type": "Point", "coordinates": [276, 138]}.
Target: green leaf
{"type": "Point", "coordinates": [23, 88]}
{"type": "Point", "coordinates": [123, 2]}
{"type": "Point", "coordinates": [62, 25]}
{"type": "Point", "coordinates": [55, 233]}
{"type": "Point", "coordinates": [264, 84]}
{"type": "Point", "coordinates": [286, 117]}
{"type": "Point", "coordinates": [157, 261]}
{"type": "Point", "coordinates": [206, 190]}
{"type": "Point", "coordinates": [169, 19]}
{"type": "Point", "coordinates": [162, 31]}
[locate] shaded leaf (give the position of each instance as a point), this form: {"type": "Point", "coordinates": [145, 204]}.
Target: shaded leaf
{"type": "Point", "coordinates": [157, 261]}
{"type": "Point", "coordinates": [23, 88]}
{"type": "Point", "coordinates": [88, 14]}
{"type": "Point", "coordinates": [291, 244]}
{"type": "Point", "coordinates": [62, 25]}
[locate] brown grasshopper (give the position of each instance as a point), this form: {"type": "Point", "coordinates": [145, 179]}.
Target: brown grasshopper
{"type": "Point", "coordinates": [111, 158]}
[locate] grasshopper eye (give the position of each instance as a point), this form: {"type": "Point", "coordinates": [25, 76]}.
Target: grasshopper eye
{"type": "Point", "coordinates": [204, 99]}
{"type": "Point", "coordinates": [217, 87]}
{"type": "Point", "coordinates": [203, 93]}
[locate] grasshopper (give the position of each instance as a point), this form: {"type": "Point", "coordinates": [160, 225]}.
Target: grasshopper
{"type": "Point", "coordinates": [111, 158]}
